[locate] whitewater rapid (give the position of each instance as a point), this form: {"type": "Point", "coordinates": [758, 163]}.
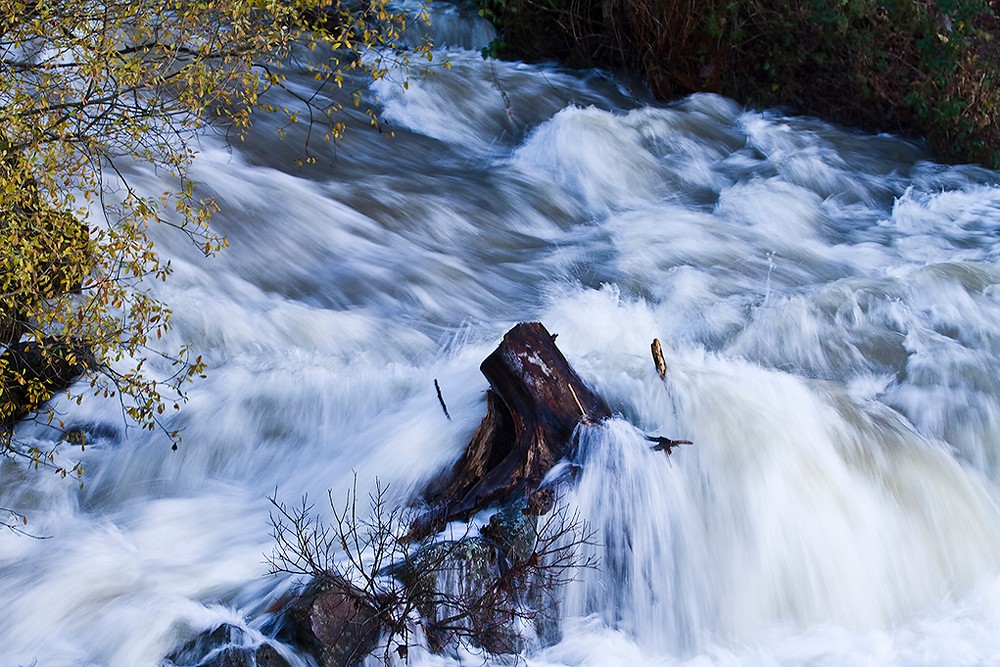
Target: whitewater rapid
{"type": "Point", "coordinates": [830, 307]}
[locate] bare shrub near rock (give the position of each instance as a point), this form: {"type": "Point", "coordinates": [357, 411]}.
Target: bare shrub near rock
{"type": "Point", "coordinates": [485, 590]}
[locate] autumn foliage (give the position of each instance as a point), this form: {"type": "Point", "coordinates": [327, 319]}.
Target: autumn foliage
{"type": "Point", "coordinates": [87, 87]}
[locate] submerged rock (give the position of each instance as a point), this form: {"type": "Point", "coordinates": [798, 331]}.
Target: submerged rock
{"type": "Point", "coordinates": [226, 646]}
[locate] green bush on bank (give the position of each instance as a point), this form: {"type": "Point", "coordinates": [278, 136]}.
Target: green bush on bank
{"type": "Point", "coordinates": [927, 67]}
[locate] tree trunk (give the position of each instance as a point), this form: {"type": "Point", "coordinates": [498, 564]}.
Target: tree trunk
{"type": "Point", "coordinates": [534, 403]}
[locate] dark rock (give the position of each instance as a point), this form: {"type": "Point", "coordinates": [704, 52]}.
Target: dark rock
{"type": "Point", "coordinates": [51, 365]}
{"type": "Point", "coordinates": [484, 565]}
{"type": "Point", "coordinates": [435, 572]}
{"type": "Point", "coordinates": [333, 622]}
{"type": "Point", "coordinates": [230, 657]}
{"type": "Point", "coordinates": [225, 646]}
{"type": "Point", "coordinates": [195, 651]}
{"type": "Point", "coordinates": [49, 255]}
{"type": "Point", "coordinates": [90, 433]}
{"type": "Point", "coordinates": [514, 533]}
{"type": "Point", "coordinates": [268, 656]}
{"type": "Point", "coordinates": [12, 326]}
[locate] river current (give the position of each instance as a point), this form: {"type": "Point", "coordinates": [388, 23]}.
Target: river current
{"type": "Point", "coordinates": [829, 304]}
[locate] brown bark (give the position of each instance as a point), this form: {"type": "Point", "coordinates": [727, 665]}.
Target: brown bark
{"type": "Point", "coordinates": [534, 403]}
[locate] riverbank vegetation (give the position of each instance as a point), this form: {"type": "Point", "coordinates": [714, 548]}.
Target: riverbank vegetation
{"type": "Point", "coordinates": [915, 67]}
{"type": "Point", "coordinates": [86, 90]}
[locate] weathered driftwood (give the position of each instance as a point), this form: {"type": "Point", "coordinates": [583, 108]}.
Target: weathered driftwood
{"type": "Point", "coordinates": [534, 403]}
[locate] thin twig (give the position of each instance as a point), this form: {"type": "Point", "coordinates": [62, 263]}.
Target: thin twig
{"type": "Point", "coordinates": [583, 413]}
{"type": "Point", "coordinates": [441, 399]}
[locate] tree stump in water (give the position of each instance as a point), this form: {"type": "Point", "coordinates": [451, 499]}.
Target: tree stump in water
{"type": "Point", "coordinates": [534, 403]}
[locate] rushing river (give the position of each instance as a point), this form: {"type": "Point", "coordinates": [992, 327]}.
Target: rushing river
{"type": "Point", "coordinates": [830, 307]}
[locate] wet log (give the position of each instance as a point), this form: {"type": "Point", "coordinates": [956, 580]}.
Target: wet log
{"type": "Point", "coordinates": [535, 402]}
